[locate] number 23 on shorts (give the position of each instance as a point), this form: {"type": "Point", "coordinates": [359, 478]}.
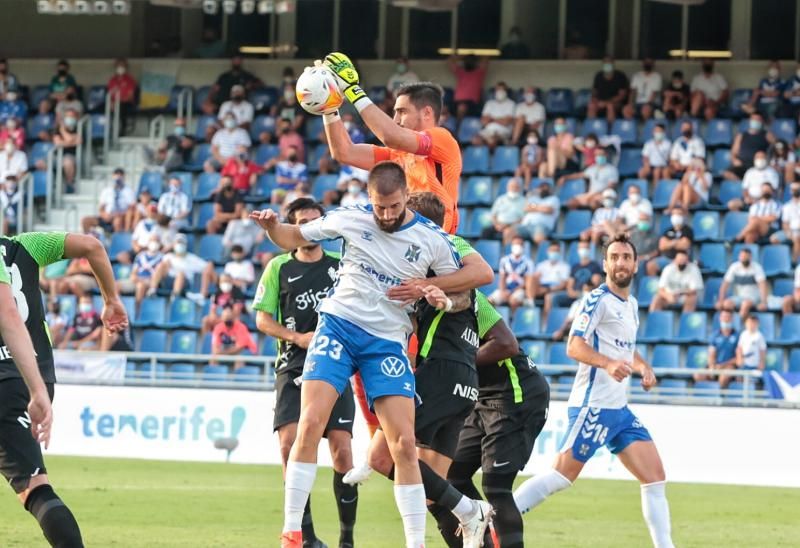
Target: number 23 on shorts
{"type": "Point", "coordinates": [323, 345]}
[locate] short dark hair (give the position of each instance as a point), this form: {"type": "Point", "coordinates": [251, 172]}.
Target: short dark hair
{"type": "Point", "coordinates": [299, 205]}
{"type": "Point", "coordinates": [621, 238]}
{"type": "Point", "coordinates": [751, 316]}
{"type": "Point", "coordinates": [236, 248]}
{"type": "Point", "coordinates": [386, 178]}
{"type": "Point", "coordinates": [119, 171]}
{"type": "Point", "coordinates": [428, 205]}
{"type": "Point", "coordinates": [424, 94]}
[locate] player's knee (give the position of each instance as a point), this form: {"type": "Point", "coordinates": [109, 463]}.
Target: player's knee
{"type": "Point", "coordinates": [380, 460]}
{"type": "Point", "coordinates": [403, 448]}
{"type": "Point", "coordinates": [341, 452]}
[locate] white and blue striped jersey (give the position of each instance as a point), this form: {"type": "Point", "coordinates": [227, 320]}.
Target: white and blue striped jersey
{"type": "Point", "coordinates": [373, 261]}
{"type": "Point", "coordinates": [608, 323]}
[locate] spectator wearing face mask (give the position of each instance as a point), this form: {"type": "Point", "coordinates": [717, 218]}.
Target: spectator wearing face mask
{"type": "Point", "coordinates": [470, 72]}
{"type": "Point", "coordinates": [221, 89]}
{"type": "Point", "coordinates": [515, 278]}
{"type": "Point", "coordinates": [745, 147]}
{"type": "Point", "coordinates": [181, 266]}
{"type": "Point", "coordinates": [228, 205]}
{"type": "Point", "coordinates": [514, 47]}
{"type": "Point", "coordinates": [601, 176]}
{"type": "Point", "coordinates": [124, 85]}
{"type": "Point", "coordinates": [143, 269]}
{"type": "Point", "coordinates": [355, 195]}
{"type": "Point", "coordinates": [67, 137]}
{"type": "Point", "coordinates": [143, 229]}
{"type": "Point", "coordinates": [239, 268]}
{"type": "Point", "coordinates": [766, 97]}
{"type": "Point", "coordinates": [586, 271]}
{"type": "Point", "coordinates": [636, 211]}
{"type": "Point", "coordinates": [497, 118]}
{"type": "Point", "coordinates": [301, 190]}
{"type": "Point", "coordinates": [175, 151]}
{"type": "Point", "coordinates": [288, 173]}
{"type": "Point", "coordinates": [609, 92]}
{"type": "Point", "coordinates": [709, 91]}
{"type": "Point", "coordinates": [676, 96]}
{"type": "Point", "coordinates": [402, 75]}
{"type": "Point", "coordinates": [679, 285]}
{"type": "Point", "coordinates": [561, 153]}
{"type": "Point", "coordinates": [541, 214]}
{"type": "Point", "coordinates": [13, 162]}
{"type": "Point", "coordinates": [677, 237]}
{"type": "Point", "coordinates": [62, 81]}
{"type": "Point", "coordinates": [8, 80]}
{"type": "Point", "coordinates": [13, 108]}
{"type": "Point", "coordinates": [606, 219]}
{"type": "Point", "coordinates": [645, 92]}
{"type": "Point", "coordinates": [227, 295]}
{"type": "Point", "coordinates": [754, 180]}
{"type": "Point", "coordinates": [289, 140]}
{"type": "Point", "coordinates": [175, 204]}
{"type": "Point", "coordinates": [69, 102]}
{"type": "Point", "coordinates": [791, 303]}
{"type": "Point", "coordinates": [531, 157]}
{"type": "Point", "coordinates": [290, 110]}
{"type": "Point", "coordinates": [762, 217]}
{"type": "Point", "coordinates": [550, 275]}
{"type": "Point", "coordinates": [242, 232]}
{"type": "Point", "coordinates": [747, 284]}
{"type": "Point", "coordinates": [14, 133]}
{"type": "Point", "coordinates": [225, 143]}
{"type": "Point", "coordinates": [84, 334]}
{"type": "Point", "coordinates": [529, 115]}
{"type": "Point", "coordinates": [779, 156]}
{"type": "Point", "coordinates": [685, 149]}
{"type": "Point", "coordinates": [239, 106]}
{"type": "Point", "coordinates": [655, 156]}
{"type": "Point", "coordinates": [507, 212]}
{"type": "Point", "coordinates": [694, 186]}
{"type": "Point", "coordinates": [588, 150]}
{"type": "Point", "coordinates": [117, 201]}
{"type": "Point", "coordinates": [791, 94]}
{"type": "Point", "coordinates": [242, 170]}
{"type": "Point", "coordinates": [790, 223]}
{"type": "Point", "coordinates": [230, 337]}
{"type": "Point", "coordinates": [721, 349]}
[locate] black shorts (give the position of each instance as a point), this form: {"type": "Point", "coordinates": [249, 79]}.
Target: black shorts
{"type": "Point", "coordinates": [446, 393]}
{"type": "Point", "coordinates": [287, 404]}
{"type": "Point", "coordinates": [20, 454]}
{"type": "Point", "coordinates": [500, 433]}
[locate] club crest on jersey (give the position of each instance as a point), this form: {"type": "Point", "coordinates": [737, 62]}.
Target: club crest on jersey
{"type": "Point", "coordinates": [393, 366]}
{"type": "Point", "coordinates": [413, 253]}
{"type": "Point", "coordinates": [366, 235]}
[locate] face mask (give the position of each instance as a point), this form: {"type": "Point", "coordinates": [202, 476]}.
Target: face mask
{"type": "Point", "coordinates": [85, 308]}
{"type": "Point", "coordinates": [226, 287]}
{"type": "Point", "coordinates": [243, 156]}
{"type": "Point", "coordinates": [9, 148]}
{"type": "Point", "coordinates": [647, 67]}
{"type": "Point", "coordinates": [682, 267]}
{"type": "Point", "coordinates": [174, 188]}
{"type": "Point", "coordinates": [532, 140]}
{"type": "Point", "coordinates": [121, 70]}
{"type": "Point", "coordinates": [708, 67]}
{"type": "Point", "coordinates": [288, 79]}
{"type": "Point", "coordinates": [608, 202]}
{"type": "Point", "coordinates": [288, 94]}
{"type": "Point", "coordinates": [676, 220]}
{"type": "Point", "coordinates": [11, 96]}
{"type": "Point", "coordinates": [292, 157]}
{"type": "Point", "coordinates": [773, 73]}
{"type": "Point", "coordinates": [153, 247]}
{"type": "Point", "coordinates": [687, 133]}
{"type": "Point", "coordinates": [608, 67]}
{"type": "Point", "coordinates": [601, 160]}
{"type": "Point", "coordinates": [635, 198]}
{"type": "Point", "coordinates": [643, 226]}
{"type": "Point", "coordinates": [230, 123]}
{"type": "Point", "coordinates": [354, 189]}
{"type": "Point", "coordinates": [559, 128]}
{"type": "Point", "coordinates": [70, 96]}
{"type": "Point", "coordinates": [517, 249]}
{"type": "Point", "coordinates": [179, 131]}
{"type": "Point", "coordinates": [237, 258]}
{"type": "Point", "coordinates": [659, 136]}
{"type": "Point", "coordinates": [500, 95]}
{"type": "Point", "coordinates": [180, 249]}
{"type": "Point", "coordinates": [247, 222]}
{"type": "Point", "coordinates": [726, 325]}
{"type": "Point", "coordinates": [347, 125]}
{"type": "Point", "coordinates": [544, 192]}
{"type": "Point", "coordinates": [401, 68]}
{"type": "Point", "coordinates": [228, 323]}
{"type": "Point", "coordinates": [760, 163]}
{"type": "Point", "coordinates": [119, 181]}
{"type": "Point", "coordinates": [70, 122]}
{"type": "Point", "coordinates": [62, 71]}
{"type": "Point", "coordinates": [590, 144]}
{"type": "Point", "coordinates": [553, 255]}
{"type": "Point", "coordinates": [530, 97]}
{"type": "Point", "coordinates": [755, 125]}
{"type": "Point", "coordinates": [584, 252]}
{"type": "Point", "coordinates": [766, 196]}
{"type": "Point", "coordinates": [513, 194]}
{"type": "Point", "coordinates": [746, 263]}
{"type": "Point", "coordinates": [238, 98]}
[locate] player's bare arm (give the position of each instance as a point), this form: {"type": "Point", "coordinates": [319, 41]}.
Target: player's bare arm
{"type": "Point", "coordinates": [455, 302]}
{"type": "Point", "coordinates": [283, 235]}
{"type": "Point", "coordinates": [645, 370]}
{"type": "Point", "coordinates": [579, 350]}
{"type": "Point", "coordinates": [267, 324]}
{"type": "Point", "coordinates": [343, 150]}
{"type": "Point", "coordinates": [499, 344]}
{"type": "Point", "coordinates": [388, 132]}
{"type": "Point", "coordinates": [474, 273]}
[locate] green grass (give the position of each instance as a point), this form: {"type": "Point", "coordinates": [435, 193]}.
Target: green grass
{"type": "Point", "coordinates": [152, 503]}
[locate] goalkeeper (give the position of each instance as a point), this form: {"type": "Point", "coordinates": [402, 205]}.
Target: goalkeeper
{"type": "Point", "coordinates": [429, 154]}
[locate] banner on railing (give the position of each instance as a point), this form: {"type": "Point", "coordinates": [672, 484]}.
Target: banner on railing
{"type": "Point", "coordinates": [156, 86]}
{"type": "Point", "coordinates": [95, 366]}
{"type": "Point", "coordinates": [783, 386]}
{"type": "Point", "coordinates": [697, 443]}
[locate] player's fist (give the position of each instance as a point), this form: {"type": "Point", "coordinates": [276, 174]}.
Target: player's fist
{"type": "Point", "coordinates": [435, 297]}
{"type": "Point", "coordinates": [114, 316]}
{"type": "Point", "coordinates": [648, 379]}
{"type": "Point", "coordinates": [346, 76]}
{"type": "Point", "coordinates": [619, 369]}
{"type": "Point", "coordinates": [265, 218]}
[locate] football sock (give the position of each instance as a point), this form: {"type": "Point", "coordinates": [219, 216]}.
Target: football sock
{"type": "Point", "coordinates": [656, 513]}
{"type": "Point", "coordinates": [56, 520]}
{"type": "Point", "coordinates": [447, 524]}
{"type": "Point", "coordinates": [460, 476]}
{"type": "Point", "coordinates": [346, 502]}
{"type": "Point", "coordinates": [507, 519]}
{"type": "Point", "coordinates": [411, 503]}
{"type": "Point", "coordinates": [299, 480]}
{"type": "Point", "coordinates": [307, 524]}
{"type": "Point", "coordinates": [534, 490]}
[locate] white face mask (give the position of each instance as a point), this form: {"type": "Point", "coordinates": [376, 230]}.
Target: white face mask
{"type": "Point", "coordinates": [180, 249]}
{"type": "Point", "coordinates": [9, 148]}
{"type": "Point", "coordinates": [85, 307]}
{"type": "Point", "coordinates": [354, 189]}
{"type": "Point", "coordinates": [513, 194]}
{"type": "Point", "coordinates": [635, 198]}
{"type": "Point", "coordinates": [11, 96]}
{"type": "Point", "coordinates": [773, 73]}
{"type": "Point", "coordinates": [760, 163]}
{"type": "Point", "coordinates": [226, 287]}
{"type": "Point", "coordinates": [530, 98]}
{"type": "Point", "coordinates": [676, 220]}
{"type": "Point", "coordinates": [230, 123]}
{"type": "Point", "coordinates": [121, 70]}
{"type": "Point", "coordinates": [608, 202]}
{"type": "Point", "coordinates": [517, 249]}
{"type": "Point", "coordinates": [500, 95]}
{"type": "Point", "coordinates": [247, 222]}
{"type": "Point", "coordinates": [153, 247]}
{"type": "Point", "coordinates": [532, 140]}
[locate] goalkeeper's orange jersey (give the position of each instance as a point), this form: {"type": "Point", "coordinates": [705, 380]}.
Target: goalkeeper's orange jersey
{"type": "Point", "coordinates": [435, 167]}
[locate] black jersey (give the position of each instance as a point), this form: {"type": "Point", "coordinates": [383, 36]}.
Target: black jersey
{"type": "Point", "coordinates": [23, 256]}
{"type": "Point", "coordinates": [447, 336]}
{"type": "Point", "coordinates": [292, 291]}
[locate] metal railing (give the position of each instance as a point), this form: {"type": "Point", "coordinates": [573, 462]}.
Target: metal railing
{"type": "Point", "coordinates": [157, 129]}
{"type": "Point", "coordinates": [84, 148]}
{"type": "Point", "coordinates": [111, 130]}
{"type": "Point", "coordinates": [186, 105]}
{"type": "Point", "coordinates": [55, 179]}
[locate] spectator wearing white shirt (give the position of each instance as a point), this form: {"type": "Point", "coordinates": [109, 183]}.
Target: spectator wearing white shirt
{"type": "Point", "coordinates": [694, 186]}
{"type": "Point", "coordinates": [529, 114]}
{"type": "Point", "coordinates": [239, 268]}
{"type": "Point", "coordinates": [175, 204]}
{"type": "Point", "coordinates": [645, 91]}
{"type": "Point", "coordinates": [709, 91]}
{"type": "Point", "coordinates": [531, 157]}
{"type": "Point", "coordinates": [679, 285]}
{"type": "Point", "coordinates": [402, 75]}
{"type": "Point", "coordinates": [748, 284]}
{"type": "Point", "coordinates": [685, 148]}
{"type": "Point", "coordinates": [144, 229]}
{"type": "Point", "coordinates": [606, 219]}
{"type": "Point", "coordinates": [601, 176]}
{"type": "Point", "coordinates": [541, 214]}
{"type": "Point", "coordinates": [762, 218]}
{"type": "Point", "coordinates": [181, 265]}
{"type": "Point", "coordinates": [790, 222]}
{"type": "Point", "coordinates": [508, 211]}
{"type": "Point", "coordinates": [515, 278]}
{"type": "Point", "coordinates": [225, 143]}
{"type": "Point", "coordinates": [355, 194]}
{"type": "Point", "coordinates": [655, 156]}
{"type": "Point", "coordinates": [10, 197]}
{"type": "Point", "coordinates": [13, 162]}
{"type": "Point", "coordinates": [497, 117]}
{"type": "Point", "coordinates": [550, 275]}
{"type": "Point", "coordinates": [791, 303]}
{"type": "Point", "coordinates": [117, 202]}
{"type": "Point", "coordinates": [753, 183]}
{"type": "Point", "coordinates": [635, 210]}
{"type": "Point", "coordinates": [751, 351]}
{"type": "Point", "coordinates": [239, 106]}
{"type": "Point", "coordinates": [242, 232]}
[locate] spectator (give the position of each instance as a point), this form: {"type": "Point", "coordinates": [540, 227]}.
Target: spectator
{"type": "Point", "coordinates": [606, 219]}
{"type": "Point", "coordinates": [242, 170]}
{"type": "Point", "coordinates": [142, 207]}
{"type": "Point", "coordinates": [239, 106]}
{"type": "Point", "coordinates": [8, 80]}
{"type": "Point", "coordinates": [144, 268]}
{"type": "Point", "coordinates": [175, 151]}
{"type": "Point", "coordinates": [602, 176]}
{"type": "Point", "coordinates": [301, 190]}
{"type": "Point", "coordinates": [529, 115]}
{"type": "Point", "coordinates": [541, 214]}
{"type": "Point", "coordinates": [13, 107]}
{"type": "Point", "coordinates": [470, 74]}
{"type": "Point", "coordinates": [693, 188]}
{"type": "Point", "coordinates": [239, 268]}
{"type": "Point", "coordinates": [225, 143]}
{"type": "Point", "coordinates": [679, 285]}
{"type": "Point", "coordinates": [609, 91]}
{"type": "Point", "coordinates": [530, 158]}
{"type": "Point", "coordinates": [561, 155]}
{"type": "Point", "coordinates": [13, 132]}
{"type": "Point", "coordinates": [78, 278]}
{"type": "Point", "coordinates": [117, 202]}
{"type": "Point", "coordinates": [791, 94]}
{"type": "Point", "coordinates": [10, 198]}
{"type": "Point", "coordinates": [143, 231]}
{"type": "Point", "coordinates": [745, 147]}
{"type": "Point", "coordinates": [636, 212]}
{"type": "Point", "coordinates": [289, 140]}
{"type": "Point", "coordinates": [574, 309]}
{"type": "Point", "coordinates": [346, 174]}
{"type": "Point", "coordinates": [228, 205]}
{"type": "Point", "coordinates": [123, 84]}
{"type": "Point", "coordinates": [645, 93]}
{"type": "Point", "coordinates": [230, 337]}
{"type": "Point", "coordinates": [709, 91]}
{"type": "Point", "coordinates": [507, 212]}
{"type": "Point", "coordinates": [779, 157]}
{"type": "Point", "coordinates": [514, 47]}
{"type": "Point", "coordinates": [722, 349]}
{"type": "Point", "coordinates": [497, 117]}
{"type": "Point", "coordinates": [62, 81]}
{"type": "Point", "coordinates": [181, 266]}
{"type": "Point", "coordinates": [550, 275]}
{"type": "Point", "coordinates": [586, 272]}
{"type": "Point", "coordinates": [655, 156]}
{"type": "Point", "coordinates": [678, 237]}
{"type": "Point", "coordinates": [355, 195]}
{"type": "Point", "coordinates": [754, 180]}
{"type": "Point", "coordinates": [211, 47]}
{"type": "Point", "coordinates": [225, 82]}
{"type": "Point", "coordinates": [515, 279]}
{"type": "Point", "coordinates": [13, 161]}
{"type": "Point", "coordinates": [69, 102]}
{"type": "Point", "coordinates": [402, 75]}
{"type": "Point", "coordinates": [67, 137]}
{"type": "Point", "coordinates": [751, 350]}
{"type": "Point", "coordinates": [748, 284]}
{"type": "Point", "coordinates": [175, 204]}
{"type": "Point", "coordinates": [766, 97]}
{"type": "Point", "coordinates": [790, 223]}
{"type": "Point", "coordinates": [242, 232]}
{"type": "Point", "coordinates": [116, 342]}
{"type": "Point", "coordinates": [791, 303]}
{"type": "Point", "coordinates": [228, 295]}
{"type": "Point", "coordinates": [84, 334]}
{"type": "Point", "coordinates": [676, 97]}
{"type": "Point", "coordinates": [289, 109]}
{"type": "Point", "coordinates": [588, 150]}
{"type": "Point", "coordinates": [686, 148]}
{"type": "Point", "coordinates": [288, 173]}
{"type": "Point", "coordinates": [57, 322]}
{"type": "Point", "coordinates": [762, 218]}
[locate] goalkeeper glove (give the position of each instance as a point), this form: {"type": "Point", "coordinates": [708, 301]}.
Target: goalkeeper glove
{"type": "Point", "coordinates": [347, 76]}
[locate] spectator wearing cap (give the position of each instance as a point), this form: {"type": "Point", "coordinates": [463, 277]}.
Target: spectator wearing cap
{"type": "Point", "coordinates": [242, 170]}
{"type": "Point", "coordinates": [507, 212]}
{"type": "Point", "coordinates": [655, 156]}
{"type": "Point", "coordinates": [694, 186]}
{"type": "Point", "coordinates": [685, 148]}
{"type": "Point", "coordinates": [748, 285]}
{"type": "Point", "coordinates": [754, 180]}
{"type": "Point", "coordinates": [676, 96]}
{"type": "Point", "coordinates": [762, 218]}
{"type": "Point", "coordinates": [230, 337]}
{"type": "Point", "coordinates": [175, 204]}
{"type": "Point", "coordinates": [790, 222]}
{"type": "Point", "coordinates": [13, 108]}
{"type": "Point", "coordinates": [117, 202]}
{"type": "Point", "coordinates": [8, 80]}
{"type": "Point", "coordinates": [601, 176]}
{"type": "Point", "coordinates": [541, 214]}
{"type": "Point", "coordinates": [239, 106]}
{"type": "Point", "coordinates": [722, 349]}
{"type": "Point", "coordinates": [606, 219]}
{"type": "Point", "coordinates": [679, 285]}
{"type": "Point", "coordinates": [226, 142]}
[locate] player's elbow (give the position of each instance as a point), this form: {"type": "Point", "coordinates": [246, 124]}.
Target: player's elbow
{"type": "Point", "coordinates": [261, 322]}
{"type": "Point", "coordinates": [573, 347]}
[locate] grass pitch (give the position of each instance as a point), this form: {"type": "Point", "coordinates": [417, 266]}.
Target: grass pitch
{"type": "Point", "coordinates": [152, 503]}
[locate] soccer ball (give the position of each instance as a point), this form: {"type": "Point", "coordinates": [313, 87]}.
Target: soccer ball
{"type": "Point", "coordinates": [317, 91]}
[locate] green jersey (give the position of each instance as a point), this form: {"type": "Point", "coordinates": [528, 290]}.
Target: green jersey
{"type": "Point", "coordinates": [23, 256]}
{"type": "Point", "coordinates": [4, 277]}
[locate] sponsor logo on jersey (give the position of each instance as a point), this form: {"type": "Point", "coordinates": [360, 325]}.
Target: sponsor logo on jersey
{"type": "Point", "coordinates": [393, 367]}
{"type": "Point", "coordinates": [582, 322]}
{"type": "Point", "coordinates": [413, 253]}
{"type": "Point", "coordinates": [292, 279]}
{"type": "Point", "coordinates": [380, 276]}
{"type": "Point", "coordinates": [310, 298]}
{"type": "Point", "coordinates": [626, 345]}
{"type": "Point", "coordinates": [471, 337]}
{"type": "Point", "coordinates": [468, 392]}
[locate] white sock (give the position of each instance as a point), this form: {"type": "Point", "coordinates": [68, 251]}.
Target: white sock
{"type": "Point", "coordinates": [411, 503]}
{"type": "Point", "coordinates": [299, 480]}
{"type": "Point", "coordinates": [465, 509]}
{"type": "Point", "coordinates": [656, 513]}
{"type": "Point", "coordinates": [534, 490]}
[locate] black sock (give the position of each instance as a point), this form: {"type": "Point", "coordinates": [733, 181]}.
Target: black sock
{"type": "Point", "coordinates": [307, 525]}
{"type": "Point", "coordinates": [57, 522]}
{"type": "Point", "coordinates": [507, 519]}
{"type": "Point", "coordinates": [346, 502]}
{"type": "Point", "coordinates": [460, 477]}
{"type": "Point", "coordinates": [447, 524]}
{"type": "Point", "coordinates": [437, 488]}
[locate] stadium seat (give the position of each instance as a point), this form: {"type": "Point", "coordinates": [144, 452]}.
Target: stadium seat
{"type": "Point", "coordinates": [313, 128]}
{"type": "Point", "coordinates": [215, 373]}
{"type": "Point", "coordinates": [490, 250]}
{"type": "Point", "coordinates": [480, 218]}
{"type": "Point", "coordinates": [572, 127]}
{"type": "Point", "coordinates": [200, 97]}
{"type": "Point", "coordinates": [207, 183]}
{"type": "Point", "coordinates": [598, 126]}
{"type": "Point", "coordinates": [785, 129]}
{"type": "Point", "coordinates": [147, 371]}
{"type": "Point", "coordinates": [36, 125]}
{"type": "Point", "coordinates": [39, 151]}
{"type": "Point", "coordinates": [675, 129]}
{"type": "Point", "coordinates": [729, 190]}
{"type": "Point", "coordinates": [658, 327]}
{"type": "Point", "coordinates": [721, 160]}
{"type": "Point", "coordinates": [630, 161]}
{"type": "Point", "coordinates": [477, 191]}
{"type": "Point", "coordinates": [152, 313]}
{"type": "Point", "coordinates": [181, 371]}
{"type": "Point", "coordinates": [663, 192]}
{"type": "Point", "coordinates": [262, 189]}
{"type": "Point", "coordinates": [755, 251]}
{"type": "Point", "coordinates": [172, 104]}
{"type": "Point", "coordinates": [526, 323]}
{"type": "Point", "coordinates": [782, 287]}
{"type": "Point", "coordinates": [712, 258]}
{"type": "Point", "coordinates": [39, 93]}
{"type": "Point", "coordinates": [705, 225]}
{"type": "Point", "coordinates": [153, 340]}
{"type": "Point", "coordinates": [204, 214]}
{"type": "Point", "coordinates": [504, 160]}
{"type": "Point", "coordinates": [554, 320]}
{"type": "Point", "coordinates": [739, 97]}
{"type": "Point", "coordinates": [718, 132]}
{"type": "Point", "coordinates": [732, 224]}
{"type": "Point", "coordinates": [790, 330]}
{"type": "Point", "coordinates": [122, 271]}
{"type": "Point", "coordinates": [475, 159]}
{"type": "Point", "coordinates": [322, 184]}
{"type": "Point", "coordinates": [648, 287]}
{"type": "Point", "coordinates": [582, 98]}
{"type": "Point", "coordinates": [265, 153]}
{"type": "Point", "coordinates": [692, 328]}
{"type": "Point", "coordinates": [247, 373]}
{"type": "Point", "coordinates": [640, 183]}
{"type": "Point", "coordinates": [649, 126]}
{"type": "Point", "coordinates": [557, 355]}
{"type": "Point", "coordinates": [775, 359]}
{"type": "Point", "coordinates": [776, 260]}
{"type": "Point", "coordinates": [260, 125]}
{"type": "Point", "coordinates": [186, 179]}
{"type": "Point", "coordinates": [120, 241]}
{"type": "Point", "coordinates": [202, 152]}
{"type": "Point", "coordinates": [98, 126]}
{"type": "Point", "coordinates": [183, 313]}
{"type": "Point", "coordinates": [625, 130]}
{"type": "Point", "coordinates": [665, 356]}
{"type": "Point", "coordinates": [263, 98]}
{"type": "Point", "coordinates": [203, 123]}
{"type": "Point", "coordinates": [153, 181]}
{"type": "Point", "coordinates": [269, 346]}
{"type": "Point", "coordinates": [211, 248]}
{"type": "Point", "coordinates": [470, 126]}
{"type": "Point", "coordinates": [314, 155]}
{"type": "Point", "coordinates": [710, 293]}
{"type": "Point", "coordinates": [794, 360]}
{"type": "Point", "coordinates": [697, 357]}
{"type": "Point", "coordinates": [559, 102]}
{"type": "Point", "coordinates": [575, 222]}
{"type": "Point", "coordinates": [68, 304]}
{"type": "Point", "coordinates": [672, 387]}
{"type": "Point", "coordinates": [706, 389]}
{"type": "Point", "coordinates": [534, 350]}
{"type": "Point", "coordinates": [183, 342]}
{"type": "Point", "coordinates": [569, 189]}
{"type": "Point", "coordinates": [766, 324]}
{"type": "Point", "coordinates": [39, 184]}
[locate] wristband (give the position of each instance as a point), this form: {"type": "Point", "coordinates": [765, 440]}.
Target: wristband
{"type": "Point", "coordinates": [448, 305]}
{"type": "Point", "coordinates": [333, 117]}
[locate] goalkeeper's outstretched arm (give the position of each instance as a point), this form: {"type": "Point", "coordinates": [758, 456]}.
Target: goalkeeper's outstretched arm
{"type": "Point", "coordinates": [343, 150]}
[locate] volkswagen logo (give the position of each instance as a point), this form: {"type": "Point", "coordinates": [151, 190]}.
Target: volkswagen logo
{"type": "Point", "coordinates": [393, 366]}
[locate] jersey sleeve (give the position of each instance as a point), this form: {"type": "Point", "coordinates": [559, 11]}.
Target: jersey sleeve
{"type": "Point", "coordinates": [4, 277]}
{"type": "Point", "coordinates": [45, 247]}
{"type": "Point", "coordinates": [462, 246]}
{"type": "Point", "coordinates": [590, 315]}
{"type": "Point", "coordinates": [328, 227]}
{"type": "Point", "coordinates": [268, 290]}
{"type": "Point", "coordinates": [381, 154]}
{"type": "Point", "coordinates": [445, 257]}
{"type": "Point", "coordinates": [488, 316]}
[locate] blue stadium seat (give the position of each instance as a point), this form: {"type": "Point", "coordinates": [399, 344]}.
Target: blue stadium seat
{"type": "Point", "coordinates": [710, 292]}
{"type": "Point", "coordinates": [648, 287]}
{"type": "Point", "coordinates": [120, 241]}
{"type": "Point", "coordinates": [775, 359]}
{"type": "Point", "coordinates": [183, 313]}
{"type": "Point", "coordinates": [262, 189]}
{"type": "Point", "coordinates": [692, 328]}
{"type": "Point", "coordinates": [675, 130]}
{"type": "Point", "coordinates": [172, 104]}
{"type": "Point", "coordinates": [721, 160]}
{"type": "Point", "coordinates": [526, 323]}
{"type": "Point", "coordinates": [215, 373]}
{"type": "Point", "coordinates": [575, 222]}
{"type": "Point", "coordinates": [39, 184]}
{"type": "Point", "coordinates": [729, 190]}
{"type": "Point", "coordinates": [39, 94]}
{"type": "Point", "coordinates": [625, 130]}
{"type": "Point", "coordinates": [39, 151]}
{"type": "Point", "coordinates": [247, 373]}
{"type": "Point", "coordinates": [204, 214]}
{"type": "Point", "coordinates": [663, 192]}
{"type": "Point", "coordinates": [313, 128]}
{"type": "Point", "coordinates": [314, 155]}
{"type": "Point", "coordinates": [705, 225]}
{"type": "Point", "coordinates": [505, 313]}
{"type": "Point", "coordinates": [261, 123]}
{"type": "Point", "coordinates": [504, 160]}
{"type": "Point", "coordinates": [782, 287]}
{"type": "Point", "coordinates": [559, 102]}
{"type": "Point", "coordinates": [477, 191]}
{"type": "Point", "coordinates": [490, 250]}
{"type": "Point", "coordinates": [146, 371]}
{"type": "Point", "coordinates": [658, 327]}
{"type": "Point", "coordinates": [790, 330]}
{"type": "Point", "coordinates": [269, 346]}
{"type": "Point", "coordinates": [202, 152]}
{"type": "Point", "coordinates": [122, 271]}
{"type": "Point", "coordinates": [202, 125]}
{"type": "Point", "coordinates": [739, 97]}
{"type": "Point", "coordinates": [640, 183]}
{"type": "Point", "coordinates": [186, 179]}
{"type": "Point", "coordinates": [265, 153]}
{"type": "Point", "coordinates": [200, 97]}
{"type": "Point", "coordinates": [785, 129]}
{"type": "Point", "coordinates": [630, 161]}
{"type": "Point", "coordinates": [470, 126]}
{"type": "Point", "coordinates": [776, 260]}
{"type": "Point", "coordinates": [98, 126]}
{"type": "Point", "coordinates": [211, 248]}
{"type": "Point", "coordinates": [697, 357]}
{"type": "Point", "coordinates": [207, 183]}
{"type": "Point", "coordinates": [732, 224]}
{"type": "Point", "coordinates": [181, 371]}
{"type": "Point", "coordinates": [718, 132]}
{"type": "Point", "coordinates": [557, 355]}
{"type": "Point", "coordinates": [480, 218]}
{"type": "Point", "coordinates": [582, 98]}
{"type": "Point", "coordinates": [712, 258]}
{"type": "Point", "coordinates": [534, 350]}
{"type": "Point", "coordinates": [322, 184]}
{"type": "Point", "coordinates": [153, 340]}
{"type": "Point", "coordinates": [183, 342]}
{"type": "Point", "coordinates": [263, 98]}
{"type": "Point", "coordinates": [794, 360]}
{"type": "Point", "coordinates": [37, 124]}
{"type": "Point", "coordinates": [554, 320]}
{"type": "Point", "coordinates": [665, 355]}
{"type": "Point", "coordinates": [766, 324]}
{"type": "Point", "coordinates": [706, 389]}
{"type": "Point", "coordinates": [475, 159]}
{"type": "Point", "coordinates": [598, 126]}
{"type": "Point", "coordinates": [153, 181]}
{"type": "Point", "coordinates": [152, 313]}
{"type": "Point", "coordinates": [377, 94]}
{"type": "Point", "coordinates": [68, 305]}
{"type": "Point", "coordinates": [673, 387]}
{"type": "Point", "coordinates": [569, 189]}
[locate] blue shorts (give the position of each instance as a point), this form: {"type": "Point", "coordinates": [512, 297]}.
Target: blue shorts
{"type": "Point", "coordinates": [340, 348]}
{"type": "Point", "coordinates": [590, 428]}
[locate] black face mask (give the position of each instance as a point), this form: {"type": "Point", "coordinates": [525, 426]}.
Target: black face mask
{"type": "Point", "coordinates": [62, 72]}
{"type": "Point", "coordinates": [544, 193]}
{"type": "Point", "coordinates": [292, 157]}
{"type": "Point", "coordinates": [682, 267]}
{"type": "Point", "coordinates": [687, 133]}
{"type": "Point", "coordinates": [228, 323]}
{"type": "Point", "coordinates": [746, 262]}
{"type": "Point", "coordinates": [70, 96]}
{"type": "Point", "coordinates": [767, 195]}
{"type": "Point", "coordinates": [708, 67]}
{"type": "Point", "coordinates": [648, 67]}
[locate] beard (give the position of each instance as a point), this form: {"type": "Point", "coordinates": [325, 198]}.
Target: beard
{"type": "Point", "coordinates": [622, 279]}
{"type": "Point", "coordinates": [390, 226]}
